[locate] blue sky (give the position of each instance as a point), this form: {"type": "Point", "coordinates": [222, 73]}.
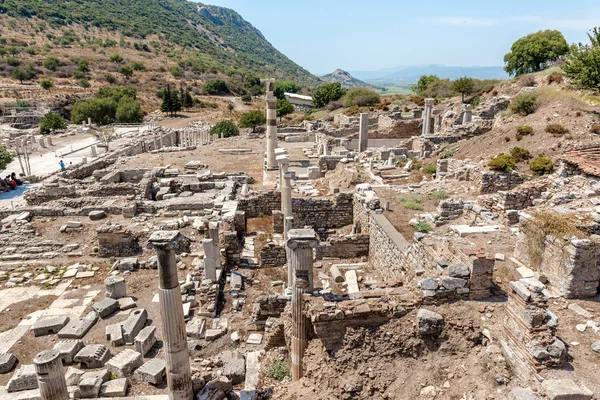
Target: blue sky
{"type": "Point", "coordinates": [322, 35]}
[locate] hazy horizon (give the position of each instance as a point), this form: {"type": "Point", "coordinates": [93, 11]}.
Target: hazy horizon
{"type": "Point", "coordinates": [354, 36]}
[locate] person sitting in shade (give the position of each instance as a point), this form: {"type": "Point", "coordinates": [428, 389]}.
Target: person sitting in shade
{"type": "Point", "coordinates": [10, 182]}
{"type": "Point", "coordinates": [13, 176]}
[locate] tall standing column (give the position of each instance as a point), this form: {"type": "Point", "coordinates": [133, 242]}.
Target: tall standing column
{"type": "Point", "coordinates": [427, 114]}
{"type": "Point", "coordinates": [363, 135]}
{"type": "Point", "coordinates": [468, 116]}
{"type": "Point", "coordinates": [271, 127]}
{"type": "Point", "coordinates": [213, 234]}
{"type": "Point", "coordinates": [177, 358]}
{"type": "Point", "coordinates": [301, 243]}
{"type": "Point", "coordinates": [286, 195]}
{"type": "Point", "coordinates": [288, 224]}
{"type": "Point", "coordinates": [50, 376]}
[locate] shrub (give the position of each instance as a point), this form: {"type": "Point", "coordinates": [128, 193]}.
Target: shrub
{"type": "Point", "coordinates": [6, 157]}
{"type": "Point", "coordinates": [361, 97]}
{"type": "Point", "coordinates": [230, 107]}
{"type": "Point", "coordinates": [23, 74]}
{"type": "Point", "coordinates": [252, 119]}
{"type": "Point", "coordinates": [524, 130]}
{"type": "Point", "coordinates": [216, 86]}
{"type": "Point", "coordinates": [227, 128]}
{"type": "Point", "coordinates": [440, 195]}
{"type": "Point", "coordinates": [284, 108]}
{"type": "Point", "coordinates": [414, 203]}
{"type": "Point", "coordinates": [52, 121]}
{"type": "Point", "coordinates": [527, 81]}
{"type": "Point", "coordinates": [555, 77]}
{"type": "Point", "coordinates": [175, 71]}
{"type": "Point", "coordinates": [138, 66]}
{"type": "Point", "coordinates": [247, 98]}
{"type": "Point", "coordinates": [541, 165]}
{"type": "Point", "coordinates": [129, 111]}
{"type": "Point", "coordinates": [83, 65]}
{"type": "Point", "coordinates": [84, 83]}
{"type": "Point", "coordinates": [423, 227]}
{"type": "Point", "coordinates": [51, 63]}
{"type": "Point", "coordinates": [502, 162]}
{"type": "Point", "coordinates": [101, 110]}
{"type": "Point", "coordinates": [524, 104]}
{"type": "Point", "coordinates": [520, 154]}
{"type": "Point", "coordinates": [116, 58]}
{"type": "Point", "coordinates": [13, 62]}
{"type": "Point", "coordinates": [278, 370]}
{"type": "Point", "coordinates": [595, 129]}
{"type": "Point", "coordinates": [110, 78]}
{"type": "Point", "coordinates": [556, 129]}
{"type": "Point", "coordinates": [46, 84]}
{"type": "Point", "coordinates": [334, 105]}
{"type": "Point", "coordinates": [116, 92]}
{"type": "Point", "coordinates": [126, 71]}
{"type": "Point", "coordinates": [430, 169]}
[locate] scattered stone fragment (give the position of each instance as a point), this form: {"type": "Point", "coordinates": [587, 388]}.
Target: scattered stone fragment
{"type": "Point", "coordinates": [73, 376]}
{"type": "Point", "coordinates": [68, 349]}
{"type": "Point", "coordinates": [47, 325]}
{"type": "Point", "coordinates": [89, 388]}
{"type": "Point", "coordinates": [254, 338]}
{"type": "Point", "coordinates": [96, 215]}
{"type": "Point", "coordinates": [429, 323]}
{"type": "Point", "coordinates": [596, 346]}
{"type": "Point", "coordinates": [134, 325]}
{"type": "Point", "coordinates": [123, 364]}
{"type": "Point", "coordinates": [234, 366]}
{"type": "Point", "coordinates": [77, 328]}
{"type": "Point", "coordinates": [459, 270]}
{"type": "Point", "coordinates": [7, 362]}
{"type": "Point", "coordinates": [106, 307]}
{"type": "Point", "coordinates": [126, 303]}
{"type": "Point", "coordinates": [24, 378]}
{"type": "Point", "coordinates": [145, 340]}
{"type": "Point", "coordinates": [153, 372]}
{"type": "Point", "coordinates": [565, 389]}
{"type": "Point", "coordinates": [92, 356]}
{"type": "Point", "coordinates": [115, 287]}
{"type": "Point", "coordinates": [114, 388]}
{"type": "Point", "coordinates": [114, 334]}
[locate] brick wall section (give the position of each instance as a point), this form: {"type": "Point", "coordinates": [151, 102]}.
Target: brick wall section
{"type": "Point", "coordinates": [263, 202]}
{"type": "Point", "coordinates": [323, 212]}
{"type": "Point", "coordinates": [492, 182]}
{"type": "Point", "coordinates": [264, 308]}
{"type": "Point", "coordinates": [350, 246]}
{"type": "Point", "coordinates": [272, 255]}
{"type": "Point", "coordinates": [278, 221]}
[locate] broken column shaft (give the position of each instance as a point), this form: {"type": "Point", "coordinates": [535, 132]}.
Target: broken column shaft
{"type": "Point", "coordinates": [427, 115]}
{"type": "Point", "coordinates": [286, 195]}
{"type": "Point", "coordinates": [51, 379]}
{"type": "Point", "coordinates": [271, 129]}
{"type": "Point", "coordinates": [468, 116]}
{"type": "Point", "coordinates": [301, 243]}
{"type": "Point", "coordinates": [363, 135]}
{"type": "Point", "coordinates": [179, 377]}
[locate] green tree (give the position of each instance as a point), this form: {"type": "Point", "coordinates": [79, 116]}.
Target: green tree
{"type": "Point", "coordinates": [116, 92]}
{"type": "Point", "coordinates": [533, 53]}
{"type": "Point", "coordinates": [188, 100]}
{"type": "Point", "coordinates": [227, 128]}
{"type": "Point", "coordinates": [138, 66]}
{"type": "Point", "coordinates": [582, 64]}
{"type": "Point", "coordinates": [129, 111]}
{"type": "Point", "coordinates": [327, 93]}
{"type": "Point", "coordinates": [126, 71]}
{"type": "Point", "coordinates": [46, 84]}
{"type": "Point", "coordinates": [247, 99]}
{"type": "Point", "coordinates": [23, 74]}
{"type": "Point", "coordinates": [252, 119]}
{"type": "Point", "coordinates": [84, 83]}
{"type": "Point", "coordinates": [284, 108]}
{"type": "Point", "coordinates": [102, 111]}
{"type": "Point", "coordinates": [282, 87]}
{"type": "Point", "coordinates": [167, 100]}
{"type": "Point", "coordinates": [51, 63]}
{"type": "Point", "coordinates": [464, 86]}
{"type": "Point", "coordinates": [6, 157]}
{"type": "Point", "coordinates": [116, 58]}
{"type": "Point", "coordinates": [425, 81]}
{"type": "Point", "coordinates": [216, 86]}
{"type": "Point", "coordinates": [52, 121]}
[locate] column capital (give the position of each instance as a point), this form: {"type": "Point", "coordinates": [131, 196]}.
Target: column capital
{"type": "Point", "coordinates": [302, 238]}
{"type": "Point", "coordinates": [164, 240]}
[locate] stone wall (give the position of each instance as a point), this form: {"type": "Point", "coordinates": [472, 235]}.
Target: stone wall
{"type": "Point", "coordinates": [387, 247]}
{"type": "Point", "coordinates": [396, 128]}
{"type": "Point", "coordinates": [116, 241]}
{"type": "Point", "coordinates": [323, 212]}
{"type": "Point", "coordinates": [260, 203]}
{"type": "Point", "coordinates": [572, 267]}
{"type": "Point", "coordinates": [449, 210]}
{"type": "Point", "coordinates": [492, 182]}
{"type": "Point", "coordinates": [349, 246]}
{"type": "Point", "coordinates": [516, 199]}
{"type": "Point", "coordinates": [272, 255]}
{"type": "Point", "coordinates": [265, 308]}
{"type": "Point", "coordinates": [329, 163]}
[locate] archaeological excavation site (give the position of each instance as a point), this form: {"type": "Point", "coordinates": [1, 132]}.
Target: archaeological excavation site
{"type": "Point", "coordinates": [189, 215]}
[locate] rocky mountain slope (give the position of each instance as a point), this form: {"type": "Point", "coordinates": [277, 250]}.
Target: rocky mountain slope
{"type": "Point", "coordinates": [218, 38]}
{"type": "Point", "coordinates": [347, 80]}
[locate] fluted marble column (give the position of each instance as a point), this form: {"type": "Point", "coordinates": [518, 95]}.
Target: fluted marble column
{"type": "Point", "coordinates": [301, 243]}
{"type": "Point", "coordinates": [271, 128]}
{"type": "Point", "coordinates": [177, 359]}
{"type": "Point", "coordinates": [50, 375]}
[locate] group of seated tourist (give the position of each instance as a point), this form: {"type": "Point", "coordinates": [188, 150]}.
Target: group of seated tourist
{"type": "Point", "coordinates": [10, 182]}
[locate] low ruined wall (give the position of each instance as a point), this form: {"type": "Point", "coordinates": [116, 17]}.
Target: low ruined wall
{"type": "Point", "coordinates": [329, 163]}
{"type": "Point", "coordinates": [387, 246]}
{"type": "Point", "coordinates": [492, 182]}
{"type": "Point", "coordinates": [350, 246]}
{"type": "Point", "coordinates": [264, 308]}
{"type": "Point", "coordinates": [272, 255]}
{"type": "Point", "coordinates": [260, 203]}
{"type": "Point", "coordinates": [323, 212]}
{"type": "Point", "coordinates": [396, 128]}
{"type": "Point", "coordinates": [113, 241]}
{"type": "Point", "coordinates": [516, 199]}
{"type": "Point", "coordinates": [86, 170]}
{"type": "Point", "coordinates": [572, 267]}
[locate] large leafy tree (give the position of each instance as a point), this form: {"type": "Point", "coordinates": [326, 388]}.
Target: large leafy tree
{"type": "Point", "coordinates": [425, 81]}
{"type": "Point", "coordinates": [52, 121]}
{"type": "Point", "coordinates": [533, 53]}
{"type": "Point", "coordinates": [328, 93]}
{"type": "Point", "coordinates": [6, 157]}
{"type": "Point", "coordinates": [282, 87]}
{"type": "Point", "coordinates": [129, 111]}
{"type": "Point", "coordinates": [284, 108]}
{"type": "Point", "coordinates": [582, 64]}
{"type": "Point", "coordinates": [464, 86]}
{"type": "Point", "coordinates": [252, 119]}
